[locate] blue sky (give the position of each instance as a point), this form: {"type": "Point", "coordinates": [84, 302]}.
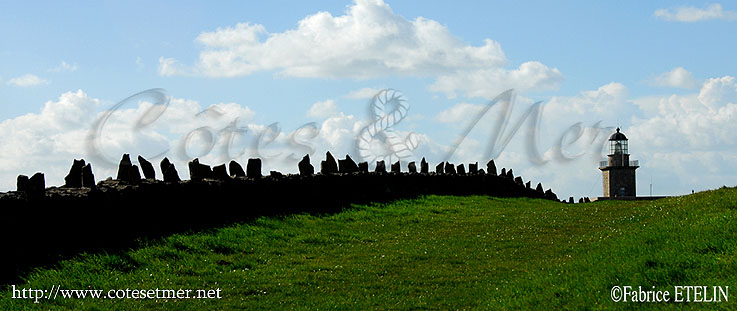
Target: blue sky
{"type": "Point", "coordinates": [664, 71]}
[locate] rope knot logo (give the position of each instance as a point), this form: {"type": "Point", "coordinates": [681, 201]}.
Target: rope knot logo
{"type": "Point", "coordinates": [378, 141]}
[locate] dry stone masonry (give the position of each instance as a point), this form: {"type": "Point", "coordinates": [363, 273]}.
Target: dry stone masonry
{"type": "Point", "coordinates": [364, 185]}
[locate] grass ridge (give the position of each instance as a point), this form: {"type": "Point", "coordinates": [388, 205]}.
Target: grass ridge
{"type": "Point", "coordinates": [432, 252]}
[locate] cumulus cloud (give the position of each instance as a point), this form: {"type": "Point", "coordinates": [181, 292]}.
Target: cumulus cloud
{"type": "Point", "coordinates": [705, 121]}
{"type": "Point", "coordinates": [171, 67]}
{"type": "Point", "coordinates": [323, 109]}
{"type": "Point", "coordinates": [66, 129]}
{"type": "Point", "coordinates": [47, 141]}
{"type": "Point", "coordinates": [718, 91]}
{"type": "Point", "coordinates": [369, 40]}
{"type": "Point", "coordinates": [459, 113]}
{"type": "Point", "coordinates": [678, 78]}
{"type": "Point", "coordinates": [363, 93]}
{"type": "Point", "coordinates": [27, 80]}
{"type": "Point", "coordinates": [691, 136]}
{"type": "Point", "coordinates": [62, 130]}
{"type": "Point", "coordinates": [605, 103]}
{"type": "Point", "coordinates": [685, 141]}
{"type": "Point", "coordinates": [694, 14]}
{"type": "Point", "coordinates": [488, 83]}
{"type": "Point", "coordinates": [64, 66]}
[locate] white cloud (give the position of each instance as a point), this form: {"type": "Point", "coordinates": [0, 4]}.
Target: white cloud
{"type": "Point", "coordinates": [678, 78]}
{"type": "Point", "coordinates": [704, 122]}
{"type": "Point", "coordinates": [683, 141]}
{"type": "Point", "coordinates": [488, 83]}
{"type": "Point", "coordinates": [48, 141]}
{"type": "Point", "coordinates": [45, 141]}
{"type": "Point", "coordinates": [369, 40]}
{"type": "Point", "coordinates": [459, 114]}
{"type": "Point", "coordinates": [27, 81]}
{"type": "Point", "coordinates": [339, 132]}
{"type": "Point", "coordinates": [364, 93]}
{"type": "Point", "coordinates": [694, 14]}
{"type": "Point", "coordinates": [64, 66]}
{"type": "Point", "coordinates": [718, 91]}
{"type": "Point", "coordinates": [171, 67]}
{"type": "Point", "coordinates": [690, 137]}
{"type": "Point", "coordinates": [323, 109]}
{"type": "Point", "coordinates": [606, 101]}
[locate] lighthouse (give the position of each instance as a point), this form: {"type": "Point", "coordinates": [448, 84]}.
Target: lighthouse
{"type": "Point", "coordinates": [618, 172]}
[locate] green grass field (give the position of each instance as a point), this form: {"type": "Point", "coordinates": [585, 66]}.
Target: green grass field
{"type": "Point", "coordinates": [434, 252]}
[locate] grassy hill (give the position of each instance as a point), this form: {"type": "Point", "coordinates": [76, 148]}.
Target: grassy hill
{"type": "Point", "coordinates": [434, 252]}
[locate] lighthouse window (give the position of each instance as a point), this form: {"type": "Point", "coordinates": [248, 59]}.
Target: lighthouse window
{"type": "Point", "coordinates": [618, 147]}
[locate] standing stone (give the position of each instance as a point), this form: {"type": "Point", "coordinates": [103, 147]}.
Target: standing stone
{"type": "Point", "coordinates": [380, 167]}
{"type": "Point", "coordinates": [510, 175]}
{"type": "Point", "coordinates": [490, 167]}
{"type": "Point", "coordinates": [503, 173]}
{"type": "Point", "coordinates": [147, 168]}
{"type": "Point", "coordinates": [88, 179]}
{"type": "Point", "coordinates": [481, 171]}
{"type": "Point", "coordinates": [363, 167]}
{"type": "Point", "coordinates": [276, 174]}
{"type": "Point", "coordinates": [253, 168]}
{"type": "Point", "coordinates": [586, 200]}
{"type": "Point", "coordinates": [570, 200]}
{"type": "Point", "coordinates": [473, 168]}
{"type": "Point", "coordinates": [347, 165]}
{"type": "Point", "coordinates": [22, 183]}
{"type": "Point", "coordinates": [329, 166]}
{"type": "Point", "coordinates": [74, 178]}
{"type": "Point", "coordinates": [135, 175]}
{"type": "Point", "coordinates": [169, 171]}
{"type": "Point", "coordinates": [219, 172]}
{"type": "Point", "coordinates": [305, 168]}
{"type": "Point", "coordinates": [198, 171]}
{"type": "Point", "coordinates": [450, 168]}
{"type": "Point", "coordinates": [461, 169]}
{"type": "Point", "coordinates": [424, 168]}
{"type": "Point", "coordinates": [37, 184]}
{"type": "Point", "coordinates": [396, 168]}
{"type": "Point", "coordinates": [236, 170]}
{"type": "Point", "coordinates": [527, 185]}
{"type": "Point", "coordinates": [411, 167]}
{"type": "Point", "coordinates": [518, 180]}
{"type": "Point", "coordinates": [124, 168]}
{"type": "Point", "coordinates": [439, 168]}
{"type": "Point", "coordinates": [164, 165]}
{"type": "Point", "coordinates": [539, 188]}
{"type": "Point", "coordinates": [580, 200]}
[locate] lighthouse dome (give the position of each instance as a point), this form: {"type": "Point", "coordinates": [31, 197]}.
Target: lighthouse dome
{"type": "Point", "coordinates": [618, 136]}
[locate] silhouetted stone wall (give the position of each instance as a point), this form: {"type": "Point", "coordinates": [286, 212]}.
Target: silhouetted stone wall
{"type": "Point", "coordinates": [115, 212]}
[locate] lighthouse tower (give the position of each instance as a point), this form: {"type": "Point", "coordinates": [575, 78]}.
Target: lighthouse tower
{"type": "Point", "coordinates": [618, 171]}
